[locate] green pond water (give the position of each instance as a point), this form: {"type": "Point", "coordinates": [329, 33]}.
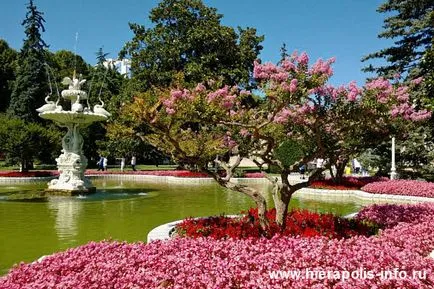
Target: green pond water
{"type": "Point", "coordinates": [119, 210]}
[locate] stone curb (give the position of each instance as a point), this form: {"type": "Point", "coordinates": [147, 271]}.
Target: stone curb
{"type": "Point", "coordinates": [358, 195]}
{"type": "Point", "coordinates": [24, 180]}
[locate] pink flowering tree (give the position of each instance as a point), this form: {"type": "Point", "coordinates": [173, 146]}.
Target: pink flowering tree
{"type": "Point", "coordinates": [189, 125]}
{"type": "Point", "coordinates": [295, 106]}
{"type": "Point", "coordinates": [368, 116]}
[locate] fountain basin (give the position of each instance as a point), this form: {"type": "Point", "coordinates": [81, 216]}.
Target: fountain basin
{"type": "Point", "coordinates": [70, 117]}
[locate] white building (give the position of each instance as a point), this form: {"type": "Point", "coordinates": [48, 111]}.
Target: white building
{"type": "Point", "coordinates": [123, 66]}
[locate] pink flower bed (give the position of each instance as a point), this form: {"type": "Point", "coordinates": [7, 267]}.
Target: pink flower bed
{"type": "Point", "coordinates": [401, 187]}
{"type": "Point", "coordinates": [168, 173]}
{"type": "Point", "coordinates": [254, 175]}
{"type": "Point", "coordinates": [210, 263]}
{"type": "Point", "coordinates": [347, 183]}
{"type": "Point", "coordinates": [389, 215]}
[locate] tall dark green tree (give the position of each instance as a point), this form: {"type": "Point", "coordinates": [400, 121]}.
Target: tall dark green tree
{"type": "Point", "coordinates": [410, 24]}
{"type": "Point", "coordinates": [188, 37]}
{"type": "Point", "coordinates": [30, 86]}
{"type": "Point", "coordinates": [8, 57]}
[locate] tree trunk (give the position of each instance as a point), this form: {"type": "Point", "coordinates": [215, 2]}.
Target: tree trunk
{"type": "Point", "coordinates": [340, 170]}
{"type": "Point", "coordinates": [285, 192]}
{"type": "Point", "coordinates": [255, 195]}
{"type": "Point", "coordinates": [282, 201]}
{"type": "Point", "coordinates": [24, 166]}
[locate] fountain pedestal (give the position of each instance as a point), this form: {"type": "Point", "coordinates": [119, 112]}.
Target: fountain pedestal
{"type": "Point", "coordinates": [72, 163]}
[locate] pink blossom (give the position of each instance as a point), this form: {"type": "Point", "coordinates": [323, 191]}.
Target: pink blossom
{"type": "Point", "coordinates": [244, 132]}
{"type": "Point", "coordinates": [200, 88]}
{"type": "Point", "coordinates": [176, 94]}
{"type": "Point", "coordinates": [280, 76]}
{"type": "Point", "coordinates": [417, 81]}
{"type": "Point", "coordinates": [323, 67]}
{"type": "Point", "coordinates": [288, 65]}
{"type": "Point", "coordinates": [170, 111]}
{"type": "Point", "coordinates": [379, 83]}
{"type": "Point", "coordinates": [402, 94]}
{"type": "Point", "coordinates": [353, 92]}
{"type": "Point", "coordinates": [293, 85]}
{"type": "Point", "coordinates": [168, 103]}
{"type": "Point", "coordinates": [303, 59]}
{"type": "Point", "coordinates": [245, 92]}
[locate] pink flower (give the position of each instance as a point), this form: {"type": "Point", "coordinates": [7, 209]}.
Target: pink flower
{"type": "Point", "coordinates": [417, 81]}
{"type": "Point", "coordinates": [293, 85]}
{"type": "Point", "coordinates": [353, 92]}
{"type": "Point", "coordinates": [200, 88]}
{"type": "Point", "coordinates": [303, 58]}
{"type": "Point", "coordinates": [288, 65]}
{"type": "Point", "coordinates": [170, 111]}
{"type": "Point", "coordinates": [245, 92]}
{"type": "Point", "coordinates": [176, 94]}
{"type": "Point", "coordinates": [244, 132]}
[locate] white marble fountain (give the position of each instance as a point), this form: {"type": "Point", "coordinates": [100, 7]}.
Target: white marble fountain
{"type": "Point", "coordinates": [72, 163]}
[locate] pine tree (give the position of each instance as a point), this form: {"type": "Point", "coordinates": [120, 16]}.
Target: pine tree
{"type": "Point", "coordinates": [30, 84]}
{"type": "Point", "coordinates": [8, 58]}
{"type": "Point", "coordinates": [411, 26]}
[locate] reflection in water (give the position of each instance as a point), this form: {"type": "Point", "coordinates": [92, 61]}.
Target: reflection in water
{"type": "Point", "coordinates": [67, 212]}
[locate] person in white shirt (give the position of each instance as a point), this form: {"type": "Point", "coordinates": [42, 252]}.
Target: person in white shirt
{"type": "Point", "coordinates": [105, 162]}
{"type": "Point", "coordinates": [357, 166]}
{"type": "Point", "coordinates": [122, 164]}
{"type": "Point", "coordinates": [133, 163]}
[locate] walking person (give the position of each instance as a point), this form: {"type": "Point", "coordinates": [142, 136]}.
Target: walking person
{"type": "Point", "coordinates": [122, 164]}
{"type": "Point", "coordinates": [105, 162]}
{"type": "Point", "coordinates": [133, 163]}
{"type": "Point", "coordinates": [100, 164]}
{"type": "Point", "coordinates": [357, 166]}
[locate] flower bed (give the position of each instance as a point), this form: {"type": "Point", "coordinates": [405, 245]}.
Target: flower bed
{"type": "Point", "coordinates": [31, 174]}
{"type": "Point", "coordinates": [254, 175]}
{"type": "Point", "coordinates": [164, 173]}
{"type": "Point", "coordinates": [299, 223]}
{"type": "Point", "coordinates": [389, 215]}
{"type": "Point", "coordinates": [401, 187]}
{"type": "Point", "coordinates": [245, 263]}
{"type": "Point", "coordinates": [347, 183]}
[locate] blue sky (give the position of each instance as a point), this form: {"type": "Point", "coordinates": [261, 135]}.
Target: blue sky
{"type": "Point", "coordinates": [345, 29]}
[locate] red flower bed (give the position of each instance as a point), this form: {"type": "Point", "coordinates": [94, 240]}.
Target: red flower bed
{"type": "Point", "coordinates": [299, 223]}
{"type": "Point", "coordinates": [347, 183]}
{"type": "Point", "coordinates": [14, 174]}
